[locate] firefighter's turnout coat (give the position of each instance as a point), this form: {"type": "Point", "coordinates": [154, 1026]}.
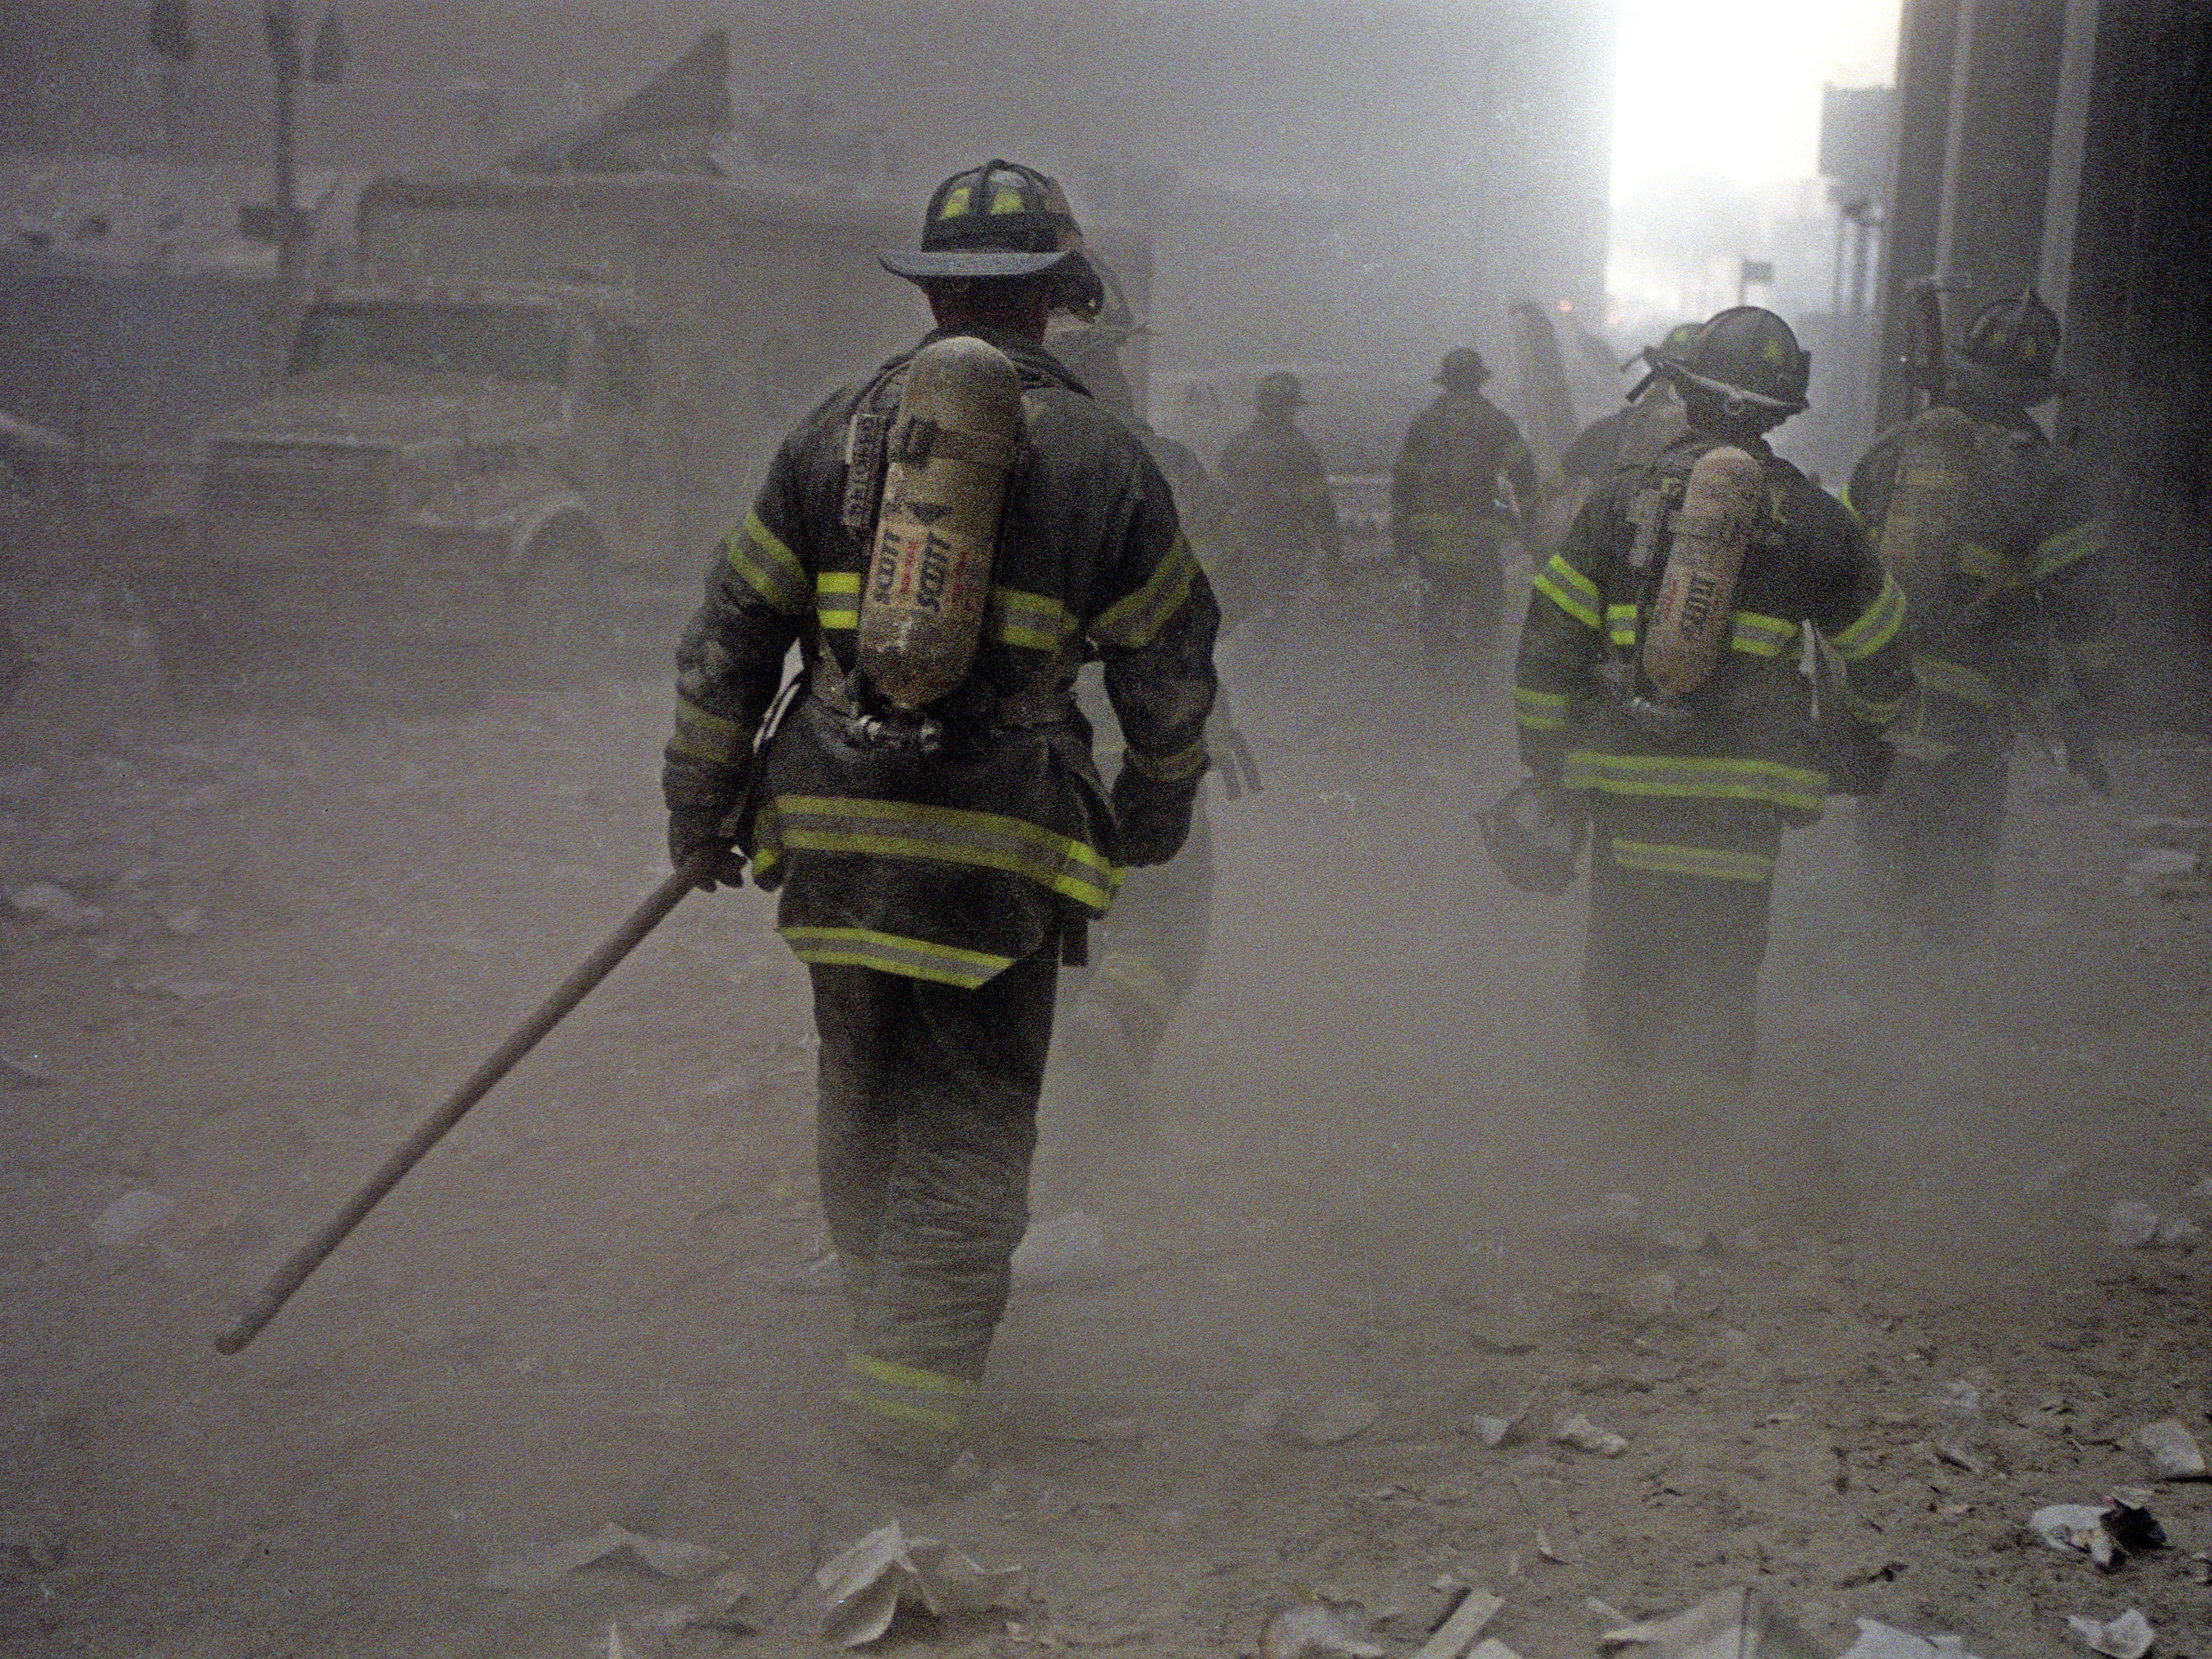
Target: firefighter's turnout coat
{"type": "Point", "coordinates": [1280, 503]}
{"type": "Point", "coordinates": [2001, 551]}
{"type": "Point", "coordinates": [1742, 761]}
{"type": "Point", "coordinates": [1445, 498]}
{"type": "Point", "coordinates": [950, 866]}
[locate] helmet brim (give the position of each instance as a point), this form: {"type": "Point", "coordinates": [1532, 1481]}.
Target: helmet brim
{"type": "Point", "coordinates": [944, 264]}
{"type": "Point", "coordinates": [1685, 379]}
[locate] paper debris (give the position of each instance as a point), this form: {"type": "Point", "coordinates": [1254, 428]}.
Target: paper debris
{"type": "Point", "coordinates": [2128, 1637]}
{"type": "Point", "coordinates": [1736, 1624]}
{"type": "Point", "coordinates": [1317, 1627]}
{"type": "Point", "coordinates": [610, 1543]}
{"type": "Point", "coordinates": [1881, 1641]}
{"type": "Point", "coordinates": [1340, 1417]}
{"type": "Point", "coordinates": [2173, 1452]}
{"type": "Point", "coordinates": [1581, 1433]}
{"type": "Point", "coordinates": [130, 1215]}
{"type": "Point", "coordinates": [861, 1589]}
{"type": "Point", "coordinates": [1472, 1611]}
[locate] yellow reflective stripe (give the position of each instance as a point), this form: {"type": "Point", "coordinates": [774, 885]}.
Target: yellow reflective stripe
{"type": "Point", "coordinates": [708, 737]}
{"type": "Point", "coordinates": [1035, 621]}
{"type": "Point", "coordinates": [1135, 621]}
{"type": "Point", "coordinates": [1955, 679]}
{"type": "Point", "coordinates": [1568, 588]}
{"type": "Point", "coordinates": [893, 954]}
{"type": "Point", "coordinates": [2070, 546]}
{"type": "Point", "coordinates": [1866, 711]}
{"type": "Point", "coordinates": [1760, 636]}
{"type": "Point", "coordinates": [771, 569]}
{"type": "Point", "coordinates": [1185, 763]}
{"type": "Point", "coordinates": [1711, 863]}
{"type": "Point", "coordinates": [1538, 711]}
{"type": "Point", "coordinates": [1621, 623]}
{"type": "Point", "coordinates": [1718, 777]}
{"type": "Point", "coordinates": [837, 599]}
{"type": "Point", "coordinates": [906, 1394]}
{"type": "Point", "coordinates": [1876, 626]}
{"type": "Point", "coordinates": [894, 829]}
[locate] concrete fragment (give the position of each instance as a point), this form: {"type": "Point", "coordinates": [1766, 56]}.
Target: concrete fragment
{"type": "Point", "coordinates": [2173, 1451]}
{"type": "Point", "coordinates": [2128, 1637]}
{"type": "Point", "coordinates": [1340, 1417]}
{"type": "Point", "coordinates": [1578, 1431]}
{"type": "Point", "coordinates": [131, 1215]}
{"type": "Point", "coordinates": [2130, 1224]}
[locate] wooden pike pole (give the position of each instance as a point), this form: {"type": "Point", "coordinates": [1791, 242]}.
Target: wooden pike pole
{"type": "Point", "coordinates": [556, 1007]}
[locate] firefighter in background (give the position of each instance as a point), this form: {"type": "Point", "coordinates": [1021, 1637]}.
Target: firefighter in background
{"type": "Point", "coordinates": [1462, 487]}
{"type": "Point", "coordinates": [2002, 553]}
{"type": "Point", "coordinates": [1151, 948]}
{"type": "Point", "coordinates": [1635, 433]}
{"type": "Point", "coordinates": [1658, 696]}
{"type": "Point", "coordinates": [938, 860]}
{"type": "Point", "coordinates": [1279, 503]}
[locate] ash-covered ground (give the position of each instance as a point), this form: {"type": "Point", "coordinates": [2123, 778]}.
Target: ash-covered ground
{"type": "Point", "coordinates": [243, 950]}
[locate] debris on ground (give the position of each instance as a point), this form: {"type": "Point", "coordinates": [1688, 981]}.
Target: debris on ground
{"type": "Point", "coordinates": [1261, 1414]}
{"type": "Point", "coordinates": [2173, 1452]}
{"type": "Point", "coordinates": [1340, 1417]}
{"type": "Point", "coordinates": [54, 904]}
{"type": "Point", "coordinates": [1462, 1622]}
{"type": "Point", "coordinates": [131, 1215]}
{"type": "Point", "coordinates": [25, 1073]}
{"type": "Point", "coordinates": [1318, 1628]}
{"type": "Point", "coordinates": [2127, 1516]}
{"type": "Point", "coordinates": [2130, 1224]}
{"type": "Point", "coordinates": [2105, 1532]}
{"type": "Point", "coordinates": [2179, 1232]}
{"type": "Point", "coordinates": [1878, 1641]}
{"type": "Point", "coordinates": [1617, 1220]}
{"type": "Point", "coordinates": [1067, 1247]}
{"type": "Point", "coordinates": [1736, 1624]}
{"type": "Point", "coordinates": [862, 1588]}
{"type": "Point", "coordinates": [2128, 1637]}
{"type": "Point", "coordinates": [1495, 1431]}
{"type": "Point", "coordinates": [1578, 1431]}
{"type": "Point", "coordinates": [725, 1603]}
{"type": "Point", "coordinates": [2156, 865]}
{"type": "Point", "coordinates": [611, 1544]}
{"type": "Point", "coordinates": [1962, 1431]}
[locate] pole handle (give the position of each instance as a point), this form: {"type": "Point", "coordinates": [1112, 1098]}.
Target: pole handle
{"type": "Point", "coordinates": [301, 1262]}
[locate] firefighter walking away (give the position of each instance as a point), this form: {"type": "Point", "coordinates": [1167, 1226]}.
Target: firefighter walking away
{"type": "Point", "coordinates": [1658, 698]}
{"type": "Point", "coordinates": [928, 808]}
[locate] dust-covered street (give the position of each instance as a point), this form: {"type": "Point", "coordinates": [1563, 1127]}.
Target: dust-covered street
{"type": "Point", "coordinates": [1389, 1230]}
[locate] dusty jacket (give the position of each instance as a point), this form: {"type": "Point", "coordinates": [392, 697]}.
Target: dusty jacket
{"type": "Point", "coordinates": [1279, 489]}
{"type": "Point", "coordinates": [951, 866]}
{"type": "Point", "coordinates": [1746, 740]}
{"type": "Point", "coordinates": [1445, 502]}
{"type": "Point", "coordinates": [2001, 554]}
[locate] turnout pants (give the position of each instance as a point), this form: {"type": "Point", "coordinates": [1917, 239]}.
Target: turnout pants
{"type": "Point", "coordinates": [1678, 929]}
{"type": "Point", "coordinates": [926, 1127]}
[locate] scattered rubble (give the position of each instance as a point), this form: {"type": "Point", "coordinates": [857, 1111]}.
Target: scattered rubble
{"type": "Point", "coordinates": [2128, 1637]}
{"type": "Point", "coordinates": [663, 1556]}
{"type": "Point", "coordinates": [131, 1215]}
{"type": "Point", "coordinates": [1578, 1431]}
{"type": "Point", "coordinates": [1878, 1641]}
{"type": "Point", "coordinates": [54, 905]}
{"type": "Point", "coordinates": [1736, 1624]}
{"type": "Point", "coordinates": [1318, 1628]}
{"type": "Point", "coordinates": [1464, 1622]}
{"type": "Point", "coordinates": [1340, 1417]}
{"type": "Point", "coordinates": [25, 1073]}
{"type": "Point", "coordinates": [2173, 1451]}
{"type": "Point", "coordinates": [2130, 1224]}
{"type": "Point", "coordinates": [861, 1588]}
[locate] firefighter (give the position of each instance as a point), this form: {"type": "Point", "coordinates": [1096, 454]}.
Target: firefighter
{"type": "Point", "coordinates": [937, 861]}
{"type": "Point", "coordinates": [1280, 507]}
{"type": "Point", "coordinates": [1633, 435]}
{"type": "Point", "coordinates": [1461, 490]}
{"type": "Point", "coordinates": [2001, 551]}
{"type": "Point", "coordinates": [1658, 696]}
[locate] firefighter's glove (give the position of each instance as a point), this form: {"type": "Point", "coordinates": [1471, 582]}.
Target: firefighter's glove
{"type": "Point", "coordinates": [2083, 757]}
{"type": "Point", "coordinates": [1153, 816]}
{"type": "Point", "coordinates": [701, 801]}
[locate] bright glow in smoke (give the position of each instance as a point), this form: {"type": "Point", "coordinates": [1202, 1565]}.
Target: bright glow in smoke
{"type": "Point", "coordinates": [1732, 88]}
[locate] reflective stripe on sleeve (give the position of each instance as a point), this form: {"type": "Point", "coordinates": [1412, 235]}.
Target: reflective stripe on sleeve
{"type": "Point", "coordinates": [1036, 621]}
{"type": "Point", "coordinates": [1707, 863]}
{"type": "Point", "coordinates": [1620, 624]}
{"type": "Point", "coordinates": [1538, 711]}
{"type": "Point", "coordinates": [1761, 636]}
{"type": "Point", "coordinates": [2070, 546]}
{"type": "Point", "coordinates": [892, 953]}
{"type": "Point", "coordinates": [1698, 777]}
{"type": "Point", "coordinates": [1134, 622]}
{"type": "Point", "coordinates": [1877, 625]}
{"type": "Point", "coordinates": [708, 738]}
{"type": "Point", "coordinates": [1569, 589]}
{"type": "Point", "coordinates": [1186, 762]}
{"type": "Point", "coordinates": [1955, 679]}
{"type": "Point", "coordinates": [892, 829]}
{"type": "Point", "coordinates": [770, 567]}
{"type": "Point", "coordinates": [837, 599]}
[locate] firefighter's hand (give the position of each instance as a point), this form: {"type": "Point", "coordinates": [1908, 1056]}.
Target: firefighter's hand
{"type": "Point", "coordinates": [1153, 817]}
{"type": "Point", "coordinates": [692, 831]}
